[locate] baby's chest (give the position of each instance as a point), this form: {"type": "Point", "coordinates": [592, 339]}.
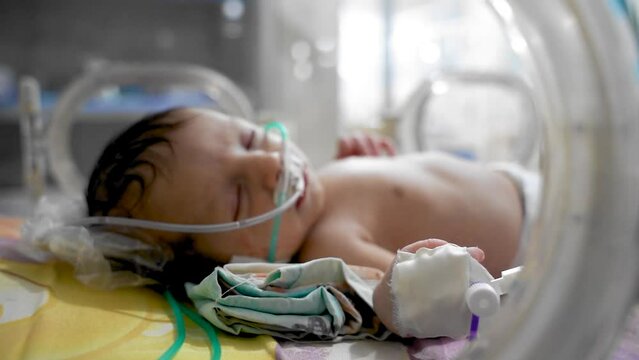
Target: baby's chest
{"type": "Point", "coordinates": [389, 210]}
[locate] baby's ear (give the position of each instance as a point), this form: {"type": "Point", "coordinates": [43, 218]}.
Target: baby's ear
{"type": "Point", "coordinates": [132, 196]}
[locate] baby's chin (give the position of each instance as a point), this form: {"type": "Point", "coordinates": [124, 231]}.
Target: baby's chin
{"type": "Point", "coordinates": [287, 248]}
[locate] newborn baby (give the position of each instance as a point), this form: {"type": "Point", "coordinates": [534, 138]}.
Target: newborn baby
{"type": "Point", "coordinates": [197, 166]}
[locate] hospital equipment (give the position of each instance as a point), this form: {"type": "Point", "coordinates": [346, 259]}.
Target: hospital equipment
{"type": "Point", "coordinates": [33, 144]}
{"type": "Point", "coordinates": [484, 298]}
{"type": "Point", "coordinates": [507, 131]}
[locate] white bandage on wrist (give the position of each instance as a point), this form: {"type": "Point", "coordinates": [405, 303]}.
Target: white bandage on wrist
{"type": "Point", "coordinates": [428, 291]}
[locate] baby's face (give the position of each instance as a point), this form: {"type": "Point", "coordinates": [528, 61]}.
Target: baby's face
{"type": "Point", "coordinates": [218, 170]}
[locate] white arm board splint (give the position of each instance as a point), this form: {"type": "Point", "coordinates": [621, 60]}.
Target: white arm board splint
{"type": "Point", "coordinates": [443, 292]}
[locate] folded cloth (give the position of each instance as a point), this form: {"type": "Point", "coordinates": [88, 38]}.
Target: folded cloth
{"type": "Point", "coordinates": [323, 299]}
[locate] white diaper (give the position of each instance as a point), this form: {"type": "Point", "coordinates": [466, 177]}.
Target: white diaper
{"type": "Point", "coordinates": [529, 186]}
{"type": "Point", "coordinates": [428, 291]}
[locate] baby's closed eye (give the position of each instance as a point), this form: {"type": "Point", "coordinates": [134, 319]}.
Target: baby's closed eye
{"type": "Point", "coordinates": [248, 139]}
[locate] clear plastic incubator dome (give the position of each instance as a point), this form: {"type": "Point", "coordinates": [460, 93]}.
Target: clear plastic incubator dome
{"type": "Point", "coordinates": [560, 98]}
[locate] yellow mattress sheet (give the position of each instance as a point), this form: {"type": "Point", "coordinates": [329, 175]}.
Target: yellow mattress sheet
{"type": "Point", "coordinates": [45, 313]}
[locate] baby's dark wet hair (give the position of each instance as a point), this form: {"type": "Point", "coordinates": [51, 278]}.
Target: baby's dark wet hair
{"type": "Point", "coordinates": [118, 166]}
{"type": "Point", "coordinates": [117, 169]}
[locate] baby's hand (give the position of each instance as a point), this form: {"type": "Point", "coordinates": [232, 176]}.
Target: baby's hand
{"type": "Point", "coordinates": [475, 252]}
{"type": "Point", "coordinates": [362, 144]}
{"type": "Point", "coordinates": [382, 298]}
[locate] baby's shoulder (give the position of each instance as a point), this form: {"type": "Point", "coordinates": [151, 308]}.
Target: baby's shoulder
{"type": "Point", "coordinates": [336, 225]}
{"type": "Point", "coordinates": [330, 236]}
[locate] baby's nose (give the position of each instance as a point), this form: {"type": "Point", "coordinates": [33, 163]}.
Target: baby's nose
{"type": "Point", "coordinates": [270, 169]}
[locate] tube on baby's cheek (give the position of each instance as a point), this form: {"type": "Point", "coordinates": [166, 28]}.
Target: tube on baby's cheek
{"type": "Point", "coordinates": [282, 187]}
{"type": "Point", "coordinates": [428, 291]}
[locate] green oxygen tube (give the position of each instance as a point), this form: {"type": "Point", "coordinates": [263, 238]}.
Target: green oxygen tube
{"type": "Point", "coordinates": [282, 187]}
{"type": "Point", "coordinates": [178, 311]}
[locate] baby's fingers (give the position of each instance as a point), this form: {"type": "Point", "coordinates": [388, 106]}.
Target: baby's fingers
{"type": "Point", "coordinates": [388, 147]}
{"type": "Point", "coordinates": [428, 243]}
{"type": "Point", "coordinates": [477, 253]}
{"type": "Point", "coordinates": [345, 148]}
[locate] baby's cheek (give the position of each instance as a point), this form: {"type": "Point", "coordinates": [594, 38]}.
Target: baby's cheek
{"type": "Point", "coordinates": [223, 246]}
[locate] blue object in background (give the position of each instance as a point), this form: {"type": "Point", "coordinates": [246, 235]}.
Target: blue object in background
{"type": "Point", "coordinates": [123, 100]}
{"type": "Point", "coordinates": [8, 87]}
{"type": "Point", "coordinates": [464, 154]}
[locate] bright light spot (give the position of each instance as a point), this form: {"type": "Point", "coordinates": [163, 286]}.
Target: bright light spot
{"type": "Point", "coordinates": [233, 9]}
{"type": "Point", "coordinates": [440, 87]}
{"type": "Point", "coordinates": [360, 45]}
{"type": "Point", "coordinates": [326, 56]}
{"type": "Point", "coordinates": [360, 62]}
{"type": "Point", "coordinates": [325, 45]}
{"type": "Point", "coordinates": [518, 44]}
{"type": "Point", "coordinates": [408, 32]}
{"type": "Point", "coordinates": [503, 9]}
{"type": "Point", "coordinates": [159, 330]}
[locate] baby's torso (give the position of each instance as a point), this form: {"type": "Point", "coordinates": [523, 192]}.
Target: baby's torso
{"type": "Point", "coordinates": [390, 199]}
{"type": "Point", "coordinates": [396, 201]}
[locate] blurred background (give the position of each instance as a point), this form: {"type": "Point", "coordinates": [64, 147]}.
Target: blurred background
{"type": "Point", "coordinates": [482, 80]}
{"type": "Point", "coordinates": [323, 68]}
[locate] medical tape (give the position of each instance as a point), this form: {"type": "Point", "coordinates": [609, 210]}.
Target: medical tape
{"type": "Point", "coordinates": [428, 291]}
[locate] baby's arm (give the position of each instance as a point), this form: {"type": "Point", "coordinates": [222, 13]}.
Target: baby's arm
{"type": "Point", "coordinates": [343, 239]}
{"type": "Point", "coordinates": [382, 297]}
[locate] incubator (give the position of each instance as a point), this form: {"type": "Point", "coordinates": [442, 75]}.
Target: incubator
{"type": "Point", "coordinates": [576, 84]}
{"type": "Point", "coordinates": [577, 61]}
